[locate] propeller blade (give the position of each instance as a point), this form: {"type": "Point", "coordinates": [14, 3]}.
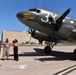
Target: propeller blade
{"type": "Point", "coordinates": [59, 21]}
{"type": "Point", "coordinates": [30, 38]}
{"type": "Point", "coordinates": [63, 15]}
{"type": "Point", "coordinates": [28, 30]}
{"type": "Point", "coordinates": [31, 31]}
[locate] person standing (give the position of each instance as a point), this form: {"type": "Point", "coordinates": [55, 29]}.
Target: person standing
{"type": "Point", "coordinates": [15, 48]}
{"type": "Point", "coordinates": [6, 46]}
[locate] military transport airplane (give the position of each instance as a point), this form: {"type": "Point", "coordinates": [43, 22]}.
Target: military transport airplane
{"type": "Point", "coordinates": [49, 26]}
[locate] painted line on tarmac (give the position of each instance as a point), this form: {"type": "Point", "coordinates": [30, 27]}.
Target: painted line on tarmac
{"type": "Point", "coordinates": [20, 66]}
{"type": "Point", "coordinates": [66, 71]}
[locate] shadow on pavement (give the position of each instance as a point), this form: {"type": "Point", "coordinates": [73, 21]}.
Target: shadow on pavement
{"type": "Point", "coordinates": [57, 55]}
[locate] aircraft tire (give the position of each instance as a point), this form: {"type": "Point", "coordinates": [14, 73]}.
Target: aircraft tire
{"type": "Point", "coordinates": [47, 49]}
{"type": "Point", "coordinates": [74, 54]}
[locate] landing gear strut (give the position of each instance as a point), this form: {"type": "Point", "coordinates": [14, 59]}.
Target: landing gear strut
{"type": "Point", "coordinates": [74, 54]}
{"type": "Point", "coordinates": [49, 47]}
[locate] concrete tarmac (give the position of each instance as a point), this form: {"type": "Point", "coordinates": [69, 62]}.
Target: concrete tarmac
{"type": "Point", "coordinates": [33, 61]}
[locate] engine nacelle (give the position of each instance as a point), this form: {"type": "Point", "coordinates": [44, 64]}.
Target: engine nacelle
{"type": "Point", "coordinates": [65, 30]}
{"type": "Point", "coordinates": [40, 36]}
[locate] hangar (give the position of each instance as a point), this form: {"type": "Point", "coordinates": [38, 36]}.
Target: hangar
{"type": "Point", "coordinates": [21, 36]}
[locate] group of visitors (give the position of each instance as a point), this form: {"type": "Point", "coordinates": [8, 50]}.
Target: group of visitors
{"type": "Point", "coordinates": [6, 45]}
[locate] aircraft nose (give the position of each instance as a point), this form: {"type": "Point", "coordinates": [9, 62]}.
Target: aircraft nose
{"type": "Point", "coordinates": [25, 16]}
{"type": "Point", "coordinates": [20, 15]}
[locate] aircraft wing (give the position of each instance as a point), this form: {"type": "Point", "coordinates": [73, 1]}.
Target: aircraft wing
{"type": "Point", "coordinates": [72, 37]}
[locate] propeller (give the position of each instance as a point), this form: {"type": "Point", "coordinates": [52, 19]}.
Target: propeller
{"type": "Point", "coordinates": [32, 32]}
{"type": "Point", "coordinates": [58, 22]}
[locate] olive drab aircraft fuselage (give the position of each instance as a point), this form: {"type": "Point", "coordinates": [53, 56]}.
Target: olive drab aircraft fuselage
{"type": "Point", "coordinates": [49, 26]}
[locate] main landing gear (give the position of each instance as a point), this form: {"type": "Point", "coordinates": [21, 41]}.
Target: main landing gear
{"type": "Point", "coordinates": [74, 54]}
{"type": "Point", "coordinates": [49, 47]}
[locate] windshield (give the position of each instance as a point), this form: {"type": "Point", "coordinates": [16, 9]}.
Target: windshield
{"type": "Point", "coordinates": [36, 10]}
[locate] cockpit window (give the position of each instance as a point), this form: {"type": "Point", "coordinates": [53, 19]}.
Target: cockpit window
{"type": "Point", "coordinates": [32, 10]}
{"type": "Point", "coordinates": [36, 10]}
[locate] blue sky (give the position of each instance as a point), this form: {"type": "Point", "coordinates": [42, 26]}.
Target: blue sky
{"type": "Point", "coordinates": [9, 9]}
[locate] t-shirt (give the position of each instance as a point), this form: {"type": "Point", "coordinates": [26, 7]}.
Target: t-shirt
{"type": "Point", "coordinates": [16, 44]}
{"type": "Point", "coordinates": [7, 44]}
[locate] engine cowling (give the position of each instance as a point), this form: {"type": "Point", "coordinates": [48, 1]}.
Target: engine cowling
{"type": "Point", "coordinates": [65, 30]}
{"type": "Point", "coordinates": [40, 36]}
